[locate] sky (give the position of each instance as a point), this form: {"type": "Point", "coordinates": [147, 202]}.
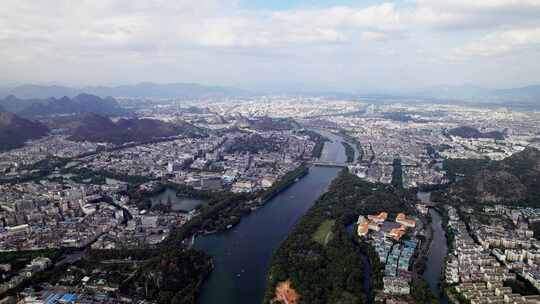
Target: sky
{"type": "Point", "coordinates": [340, 45]}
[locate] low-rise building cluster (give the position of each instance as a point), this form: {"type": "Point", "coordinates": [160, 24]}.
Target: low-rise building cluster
{"type": "Point", "coordinates": [35, 266]}
{"type": "Point", "coordinates": [477, 268]}
{"type": "Point", "coordinates": [393, 250]}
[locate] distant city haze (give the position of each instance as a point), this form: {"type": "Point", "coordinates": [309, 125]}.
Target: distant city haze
{"type": "Point", "coordinates": [303, 46]}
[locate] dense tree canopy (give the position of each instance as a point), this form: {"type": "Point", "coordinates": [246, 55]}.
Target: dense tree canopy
{"type": "Point", "coordinates": [331, 272]}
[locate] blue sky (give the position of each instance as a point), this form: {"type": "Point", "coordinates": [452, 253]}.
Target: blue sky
{"type": "Point", "coordinates": [320, 45]}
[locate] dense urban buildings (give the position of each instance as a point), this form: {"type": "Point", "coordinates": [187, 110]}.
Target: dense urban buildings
{"type": "Point", "coordinates": [63, 193]}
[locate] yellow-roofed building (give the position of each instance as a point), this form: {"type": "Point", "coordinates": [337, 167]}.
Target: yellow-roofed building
{"type": "Point", "coordinates": [402, 219]}
{"type": "Point", "coordinates": [362, 229]}
{"type": "Point", "coordinates": [379, 218]}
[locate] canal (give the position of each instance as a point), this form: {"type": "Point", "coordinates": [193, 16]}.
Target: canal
{"type": "Point", "coordinates": [242, 255]}
{"type": "Point", "coordinates": [438, 250]}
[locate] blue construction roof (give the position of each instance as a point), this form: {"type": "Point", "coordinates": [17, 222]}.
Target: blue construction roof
{"type": "Point", "coordinates": [68, 297]}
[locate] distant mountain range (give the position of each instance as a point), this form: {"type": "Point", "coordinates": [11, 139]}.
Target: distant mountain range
{"type": "Point", "coordinates": [141, 90]}
{"type": "Point", "coordinates": [95, 128]}
{"type": "Point", "coordinates": [15, 131]}
{"type": "Point", "coordinates": [82, 103]}
{"type": "Point", "coordinates": [525, 97]}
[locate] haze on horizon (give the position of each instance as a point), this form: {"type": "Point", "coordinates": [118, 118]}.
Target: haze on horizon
{"type": "Point", "coordinates": [326, 45]}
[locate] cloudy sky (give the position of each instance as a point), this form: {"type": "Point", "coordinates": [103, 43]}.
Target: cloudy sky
{"type": "Point", "coordinates": [338, 45]}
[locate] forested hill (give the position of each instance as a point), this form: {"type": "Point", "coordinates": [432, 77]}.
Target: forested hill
{"type": "Point", "coordinates": [14, 131]}
{"type": "Point", "coordinates": [96, 128]}
{"type": "Point", "coordinates": [318, 263]}
{"type": "Point", "coordinates": [514, 180]}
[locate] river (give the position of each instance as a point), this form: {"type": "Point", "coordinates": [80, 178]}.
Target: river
{"type": "Point", "coordinates": [438, 250]}
{"type": "Point", "coordinates": [242, 255]}
{"type": "Point", "coordinates": [337, 154]}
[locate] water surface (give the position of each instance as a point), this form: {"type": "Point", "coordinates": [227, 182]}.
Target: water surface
{"type": "Point", "coordinates": [438, 250]}
{"type": "Point", "coordinates": [178, 203]}
{"type": "Point", "coordinates": [242, 255]}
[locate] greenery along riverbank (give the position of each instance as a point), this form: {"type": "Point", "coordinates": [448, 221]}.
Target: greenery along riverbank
{"type": "Point", "coordinates": [353, 140]}
{"type": "Point", "coordinates": [397, 173]}
{"type": "Point", "coordinates": [226, 209]}
{"type": "Point", "coordinates": [319, 142]}
{"type": "Point", "coordinates": [349, 151]}
{"type": "Point", "coordinates": [319, 260]}
{"type": "Point", "coordinates": [175, 275]}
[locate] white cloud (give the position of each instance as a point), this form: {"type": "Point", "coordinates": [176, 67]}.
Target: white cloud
{"type": "Point", "coordinates": [296, 27]}
{"type": "Point", "coordinates": [501, 43]}
{"type": "Point", "coordinates": [164, 26]}
{"type": "Point", "coordinates": [373, 36]}
{"type": "Point", "coordinates": [186, 37]}
{"type": "Point", "coordinates": [113, 24]}
{"type": "Point", "coordinates": [475, 14]}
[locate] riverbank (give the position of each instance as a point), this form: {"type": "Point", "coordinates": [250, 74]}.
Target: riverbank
{"type": "Point", "coordinates": [225, 209]}
{"type": "Point", "coordinates": [242, 254]}
{"type": "Point", "coordinates": [353, 141]}
{"type": "Point", "coordinates": [334, 268]}
{"type": "Point", "coordinates": [284, 183]}
{"type": "Point", "coordinates": [349, 151]}
{"type": "Point", "coordinates": [438, 250]}
{"type": "Point", "coordinates": [319, 140]}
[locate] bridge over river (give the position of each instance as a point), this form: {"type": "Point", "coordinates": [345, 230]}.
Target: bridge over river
{"type": "Point", "coordinates": [330, 164]}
